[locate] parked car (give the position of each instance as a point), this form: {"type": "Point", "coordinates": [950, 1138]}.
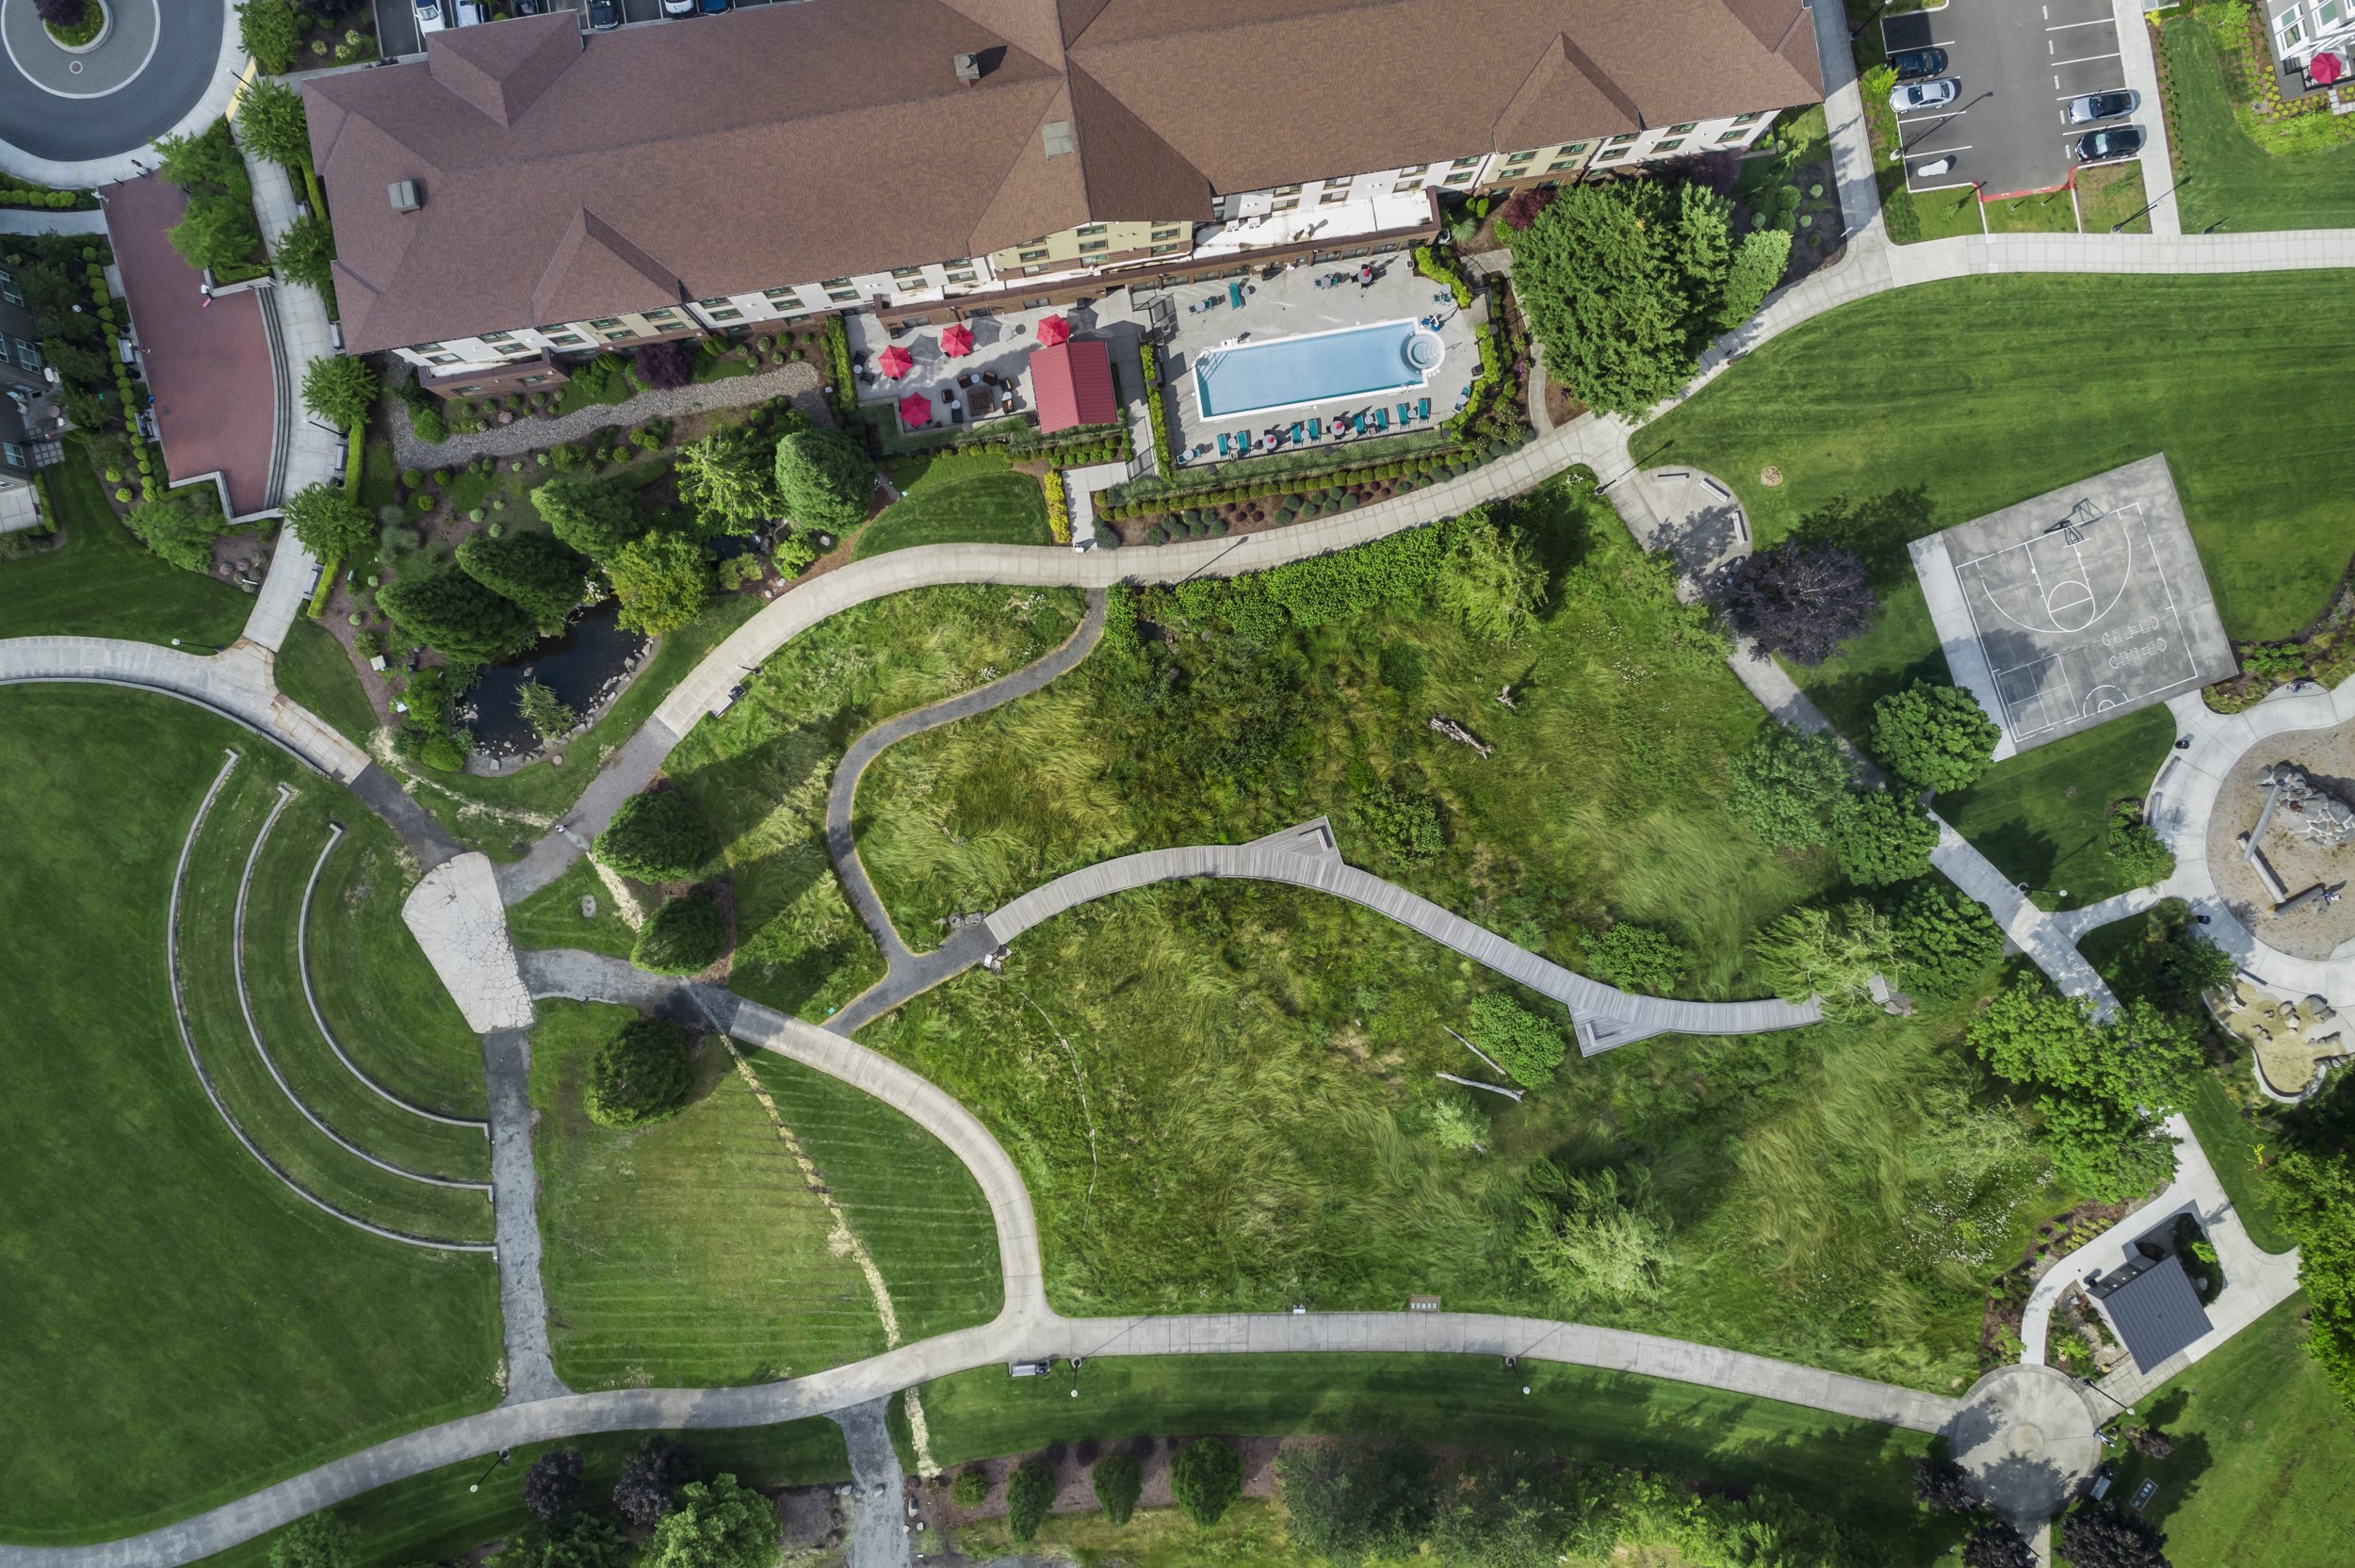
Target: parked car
{"type": "Point", "coordinates": [470, 13]}
{"type": "Point", "coordinates": [717, 7]}
{"type": "Point", "coordinates": [605, 15]}
{"type": "Point", "coordinates": [429, 18]}
{"type": "Point", "coordinates": [1918, 65]}
{"type": "Point", "coordinates": [2103, 106]}
{"type": "Point", "coordinates": [1924, 95]}
{"type": "Point", "coordinates": [529, 8]}
{"type": "Point", "coordinates": [2120, 141]}
{"type": "Point", "coordinates": [678, 8]}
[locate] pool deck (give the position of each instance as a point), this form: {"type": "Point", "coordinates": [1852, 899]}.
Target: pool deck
{"type": "Point", "coordinates": [1290, 305]}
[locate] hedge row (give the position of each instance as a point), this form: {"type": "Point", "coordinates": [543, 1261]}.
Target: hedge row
{"type": "Point", "coordinates": [844, 389]}
{"type": "Point", "coordinates": [1453, 461]}
{"type": "Point", "coordinates": [1161, 462]}
{"type": "Point", "coordinates": [1439, 270]}
{"type": "Point", "coordinates": [1058, 506]}
{"type": "Point", "coordinates": [78, 201]}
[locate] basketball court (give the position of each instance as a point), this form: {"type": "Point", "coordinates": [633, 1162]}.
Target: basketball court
{"type": "Point", "coordinates": [2075, 608]}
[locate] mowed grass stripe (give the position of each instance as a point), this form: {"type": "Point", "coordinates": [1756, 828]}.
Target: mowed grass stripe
{"type": "Point", "coordinates": [376, 990]}
{"type": "Point", "coordinates": [691, 1252]}
{"type": "Point", "coordinates": [909, 1199]}
{"type": "Point", "coordinates": [180, 1329]}
{"type": "Point", "coordinates": [208, 911]}
{"type": "Point", "coordinates": [274, 985]}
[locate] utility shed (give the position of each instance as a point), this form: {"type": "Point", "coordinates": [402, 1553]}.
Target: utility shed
{"type": "Point", "coordinates": [2154, 1309]}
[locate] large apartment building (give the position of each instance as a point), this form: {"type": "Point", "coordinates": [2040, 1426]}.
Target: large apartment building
{"type": "Point", "coordinates": [525, 192]}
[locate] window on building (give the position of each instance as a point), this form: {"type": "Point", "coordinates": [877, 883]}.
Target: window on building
{"type": "Point", "coordinates": [961, 277]}
{"type": "Point", "coordinates": [469, 391]}
{"type": "Point", "coordinates": [531, 381]}
{"type": "Point", "coordinates": [1087, 228]}
{"type": "Point", "coordinates": [621, 337]}
{"type": "Point", "coordinates": [1465, 163]}
{"type": "Point", "coordinates": [1463, 179]}
{"type": "Point", "coordinates": [1165, 249]}
{"type": "Point", "coordinates": [1750, 119]}
{"type": "Point", "coordinates": [780, 293]}
{"type": "Point", "coordinates": [1417, 169]}
{"type": "Point", "coordinates": [1623, 141]}
{"type": "Point", "coordinates": [1288, 204]}
{"type": "Point", "coordinates": [497, 337]}
{"type": "Point", "coordinates": [564, 337]}
{"type": "Point", "coordinates": [842, 295]}
{"type": "Point", "coordinates": [8, 290]}
{"type": "Point", "coordinates": [13, 455]}
{"type": "Point", "coordinates": [1732, 136]}
{"type": "Point", "coordinates": [836, 283]}
{"type": "Point", "coordinates": [1559, 165]}
{"type": "Point", "coordinates": [604, 321]}
{"type": "Point", "coordinates": [728, 315]}
{"type": "Point", "coordinates": [1031, 256]}
{"type": "Point", "coordinates": [444, 359]}
{"type": "Point", "coordinates": [425, 347]}
{"type": "Point", "coordinates": [1332, 198]}
{"type": "Point", "coordinates": [1670, 145]}
{"type": "Point", "coordinates": [907, 271]}
{"type": "Point", "coordinates": [1178, 232]}
{"type": "Point", "coordinates": [1684, 129]}
{"type": "Point", "coordinates": [1408, 185]}
{"type": "Point", "coordinates": [1338, 180]}
{"type": "Point", "coordinates": [27, 355]}
{"type": "Point", "coordinates": [1611, 154]}
{"type": "Point", "coordinates": [1287, 190]}
{"type": "Point", "coordinates": [1521, 157]}
{"type": "Point", "coordinates": [1573, 149]}
{"type": "Point", "coordinates": [1093, 247]}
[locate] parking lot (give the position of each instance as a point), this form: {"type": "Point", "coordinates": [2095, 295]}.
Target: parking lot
{"type": "Point", "coordinates": [2018, 63]}
{"type": "Point", "coordinates": [396, 22]}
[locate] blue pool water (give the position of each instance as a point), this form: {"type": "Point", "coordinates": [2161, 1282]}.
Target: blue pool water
{"type": "Point", "coordinates": [1287, 372]}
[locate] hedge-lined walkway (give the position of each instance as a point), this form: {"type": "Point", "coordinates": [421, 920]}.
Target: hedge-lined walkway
{"type": "Point", "coordinates": [797, 380]}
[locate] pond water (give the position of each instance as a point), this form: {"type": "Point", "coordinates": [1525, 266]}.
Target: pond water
{"type": "Point", "coordinates": [585, 667]}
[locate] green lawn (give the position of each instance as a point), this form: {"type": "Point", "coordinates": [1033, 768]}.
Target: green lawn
{"type": "Point", "coordinates": [1856, 1472]}
{"type": "Point", "coordinates": [2042, 817]}
{"type": "Point", "coordinates": [2263, 1474]}
{"type": "Point", "coordinates": [2051, 212]}
{"type": "Point", "coordinates": [435, 1518]}
{"type": "Point", "coordinates": [695, 1251]}
{"type": "Point", "coordinates": [314, 669]}
{"type": "Point", "coordinates": [761, 772]}
{"type": "Point", "coordinates": [388, 1009]}
{"type": "Point", "coordinates": [2227, 181]}
{"type": "Point", "coordinates": [183, 1330]}
{"type": "Point", "coordinates": [103, 583]}
{"type": "Point", "coordinates": [551, 917]}
{"type": "Point", "coordinates": [2208, 370]}
{"type": "Point", "coordinates": [237, 1070]}
{"type": "Point", "coordinates": [952, 500]}
{"type": "Point", "coordinates": [2113, 195]}
{"type": "Point", "coordinates": [502, 816]}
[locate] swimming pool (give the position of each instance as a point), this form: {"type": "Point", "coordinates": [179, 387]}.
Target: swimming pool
{"type": "Point", "coordinates": [1288, 372]}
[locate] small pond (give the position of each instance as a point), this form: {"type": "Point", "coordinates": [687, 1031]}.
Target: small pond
{"type": "Point", "coordinates": [586, 668]}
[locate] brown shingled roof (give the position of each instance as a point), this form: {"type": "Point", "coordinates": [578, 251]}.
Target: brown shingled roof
{"type": "Point", "coordinates": [563, 177]}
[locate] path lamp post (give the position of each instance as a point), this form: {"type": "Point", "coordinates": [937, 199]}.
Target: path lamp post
{"type": "Point", "coordinates": [2146, 207]}
{"type": "Point", "coordinates": [505, 1454]}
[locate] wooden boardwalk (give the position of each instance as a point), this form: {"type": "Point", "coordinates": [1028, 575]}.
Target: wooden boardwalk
{"type": "Point", "coordinates": [1306, 856]}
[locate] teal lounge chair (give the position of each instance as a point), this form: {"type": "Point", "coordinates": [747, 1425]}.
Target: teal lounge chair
{"type": "Point", "coordinates": [1222, 443]}
{"type": "Point", "coordinates": [1316, 429]}
{"type": "Point", "coordinates": [1296, 435]}
{"type": "Point", "coordinates": [1381, 419]}
{"type": "Point", "coordinates": [1234, 295]}
{"type": "Point", "coordinates": [1422, 409]}
{"type": "Point", "coordinates": [1404, 418]}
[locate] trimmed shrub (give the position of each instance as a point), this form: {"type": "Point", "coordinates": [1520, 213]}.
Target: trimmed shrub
{"type": "Point", "coordinates": [684, 937]}
{"type": "Point", "coordinates": [658, 838]}
{"type": "Point", "coordinates": [643, 1074]}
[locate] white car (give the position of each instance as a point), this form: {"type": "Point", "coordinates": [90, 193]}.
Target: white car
{"type": "Point", "coordinates": [470, 13]}
{"type": "Point", "coordinates": [678, 8]}
{"type": "Point", "coordinates": [429, 18]}
{"type": "Point", "coordinates": [1908, 97]}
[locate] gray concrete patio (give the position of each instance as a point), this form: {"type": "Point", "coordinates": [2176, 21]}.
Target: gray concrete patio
{"type": "Point", "coordinates": [1290, 305]}
{"type": "Point", "coordinates": [1002, 345]}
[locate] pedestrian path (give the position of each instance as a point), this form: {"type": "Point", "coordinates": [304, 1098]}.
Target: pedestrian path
{"type": "Point", "coordinates": [796, 378]}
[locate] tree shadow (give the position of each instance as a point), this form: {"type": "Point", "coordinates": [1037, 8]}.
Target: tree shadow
{"type": "Point", "coordinates": [2021, 851]}
{"type": "Point", "coordinates": [1846, 695]}
{"type": "Point", "coordinates": [1876, 530]}
{"type": "Point", "coordinates": [2179, 1473]}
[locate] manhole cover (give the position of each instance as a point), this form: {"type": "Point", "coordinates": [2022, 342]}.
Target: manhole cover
{"type": "Point", "coordinates": [1770, 476]}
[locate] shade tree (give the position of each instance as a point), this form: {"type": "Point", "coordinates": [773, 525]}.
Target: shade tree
{"type": "Point", "coordinates": [1784, 785]}
{"type": "Point", "coordinates": [1945, 940]}
{"type": "Point", "coordinates": [179, 531]}
{"type": "Point", "coordinates": [449, 610]}
{"type": "Point", "coordinates": [552, 1483]}
{"type": "Point", "coordinates": [658, 837]}
{"type": "Point", "coordinates": [1934, 736]}
{"type": "Point", "coordinates": [824, 479]}
{"type": "Point", "coordinates": [2102, 1085]}
{"type": "Point", "coordinates": [539, 572]}
{"type": "Point", "coordinates": [718, 1524]}
{"type": "Point", "coordinates": [1798, 600]}
{"type": "Point", "coordinates": [1828, 952]}
{"type": "Point", "coordinates": [1879, 837]}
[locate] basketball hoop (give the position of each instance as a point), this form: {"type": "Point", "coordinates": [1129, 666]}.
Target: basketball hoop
{"type": "Point", "coordinates": [2083, 515]}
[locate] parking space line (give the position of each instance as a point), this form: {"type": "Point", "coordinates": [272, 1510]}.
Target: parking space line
{"type": "Point", "coordinates": [2088, 59]}
{"type": "Point", "coordinates": [2096, 22]}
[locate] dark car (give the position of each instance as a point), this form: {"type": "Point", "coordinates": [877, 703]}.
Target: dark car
{"type": "Point", "coordinates": [1914, 65]}
{"type": "Point", "coordinates": [605, 15]}
{"type": "Point", "coordinates": [530, 7]}
{"type": "Point", "coordinates": [2101, 146]}
{"type": "Point", "coordinates": [716, 7]}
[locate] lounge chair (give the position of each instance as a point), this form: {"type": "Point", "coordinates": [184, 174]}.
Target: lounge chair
{"type": "Point", "coordinates": [1234, 295]}
{"type": "Point", "coordinates": [1295, 432]}
{"type": "Point", "coordinates": [1316, 429]}
{"type": "Point", "coordinates": [1422, 409]}
{"type": "Point", "coordinates": [1381, 419]}
{"type": "Point", "coordinates": [1405, 416]}
{"type": "Point", "coordinates": [1222, 443]}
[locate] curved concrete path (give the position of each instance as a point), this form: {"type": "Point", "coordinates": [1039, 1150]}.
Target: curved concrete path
{"type": "Point", "coordinates": [187, 1041]}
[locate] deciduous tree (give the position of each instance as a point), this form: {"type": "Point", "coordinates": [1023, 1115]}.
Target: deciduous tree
{"type": "Point", "coordinates": [179, 531]}
{"type": "Point", "coordinates": [1995, 1544]}
{"type": "Point", "coordinates": [2102, 1535]}
{"type": "Point", "coordinates": [1592, 1238]}
{"type": "Point", "coordinates": [1800, 601]}
{"type": "Point", "coordinates": [1786, 784]}
{"type": "Point", "coordinates": [720, 1524]}
{"type": "Point", "coordinates": [666, 364]}
{"type": "Point", "coordinates": [328, 521]}
{"type": "Point", "coordinates": [1493, 583]}
{"type": "Point", "coordinates": [1637, 958]}
{"type": "Point", "coordinates": [1831, 953]}
{"type": "Point", "coordinates": [2103, 1086]}
{"type": "Point", "coordinates": [1934, 734]}
{"type": "Point", "coordinates": [552, 1484]}
{"type": "Point", "coordinates": [317, 1540]}
{"type": "Point", "coordinates": [271, 33]}
{"type": "Point", "coordinates": [1347, 1501]}
{"type": "Point", "coordinates": [548, 714]}
{"type": "Point", "coordinates": [1945, 940]}
{"type": "Point", "coordinates": [662, 580]}
{"type": "Point", "coordinates": [1527, 1047]}
{"type": "Point", "coordinates": [1880, 837]}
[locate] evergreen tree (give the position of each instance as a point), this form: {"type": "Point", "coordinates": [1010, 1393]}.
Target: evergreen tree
{"type": "Point", "coordinates": [684, 937]}
{"type": "Point", "coordinates": [1206, 1478]}
{"type": "Point", "coordinates": [823, 482]}
{"type": "Point", "coordinates": [1598, 281]}
{"type": "Point", "coordinates": [1759, 264]}
{"type": "Point", "coordinates": [659, 838]}
{"type": "Point", "coordinates": [307, 253]}
{"type": "Point", "coordinates": [328, 521]}
{"type": "Point", "coordinates": [1704, 252]}
{"type": "Point", "coordinates": [1029, 1495]}
{"type": "Point", "coordinates": [341, 391]}
{"type": "Point", "coordinates": [451, 611]}
{"type": "Point", "coordinates": [538, 572]}
{"type": "Point", "coordinates": [730, 479]}
{"type": "Point", "coordinates": [1120, 1481]}
{"type": "Point", "coordinates": [271, 124]}
{"type": "Point", "coordinates": [597, 517]}
{"type": "Point", "coordinates": [662, 579]}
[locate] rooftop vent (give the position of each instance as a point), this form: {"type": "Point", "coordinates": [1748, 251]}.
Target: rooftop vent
{"type": "Point", "coordinates": [404, 195]}
{"type": "Point", "coordinates": [968, 69]}
{"type": "Point", "coordinates": [1057, 134]}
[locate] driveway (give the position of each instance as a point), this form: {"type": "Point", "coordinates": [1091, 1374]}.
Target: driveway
{"type": "Point", "coordinates": [2019, 63]}
{"type": "Point", "coordinates": [151, 70]}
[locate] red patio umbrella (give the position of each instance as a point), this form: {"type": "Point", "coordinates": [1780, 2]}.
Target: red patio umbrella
{"type": "Point", "coordinates": [895, 361]}
{"type": "Point", "coordinates": [956, 341]}
{"type": "Point", "coordinates": [2325, 68]}
{"type": "Point", "coordinates": [1053, 330]}
{"type": "Point", "coordinates": [915, 408]}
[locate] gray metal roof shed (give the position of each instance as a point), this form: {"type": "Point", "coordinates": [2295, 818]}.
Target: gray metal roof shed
{"type": "Point", "coordinates": [2155, 1310]}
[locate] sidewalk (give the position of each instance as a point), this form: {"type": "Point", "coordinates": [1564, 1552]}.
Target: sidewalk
{"type": "Point", "coordinates": [2142, 75]}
